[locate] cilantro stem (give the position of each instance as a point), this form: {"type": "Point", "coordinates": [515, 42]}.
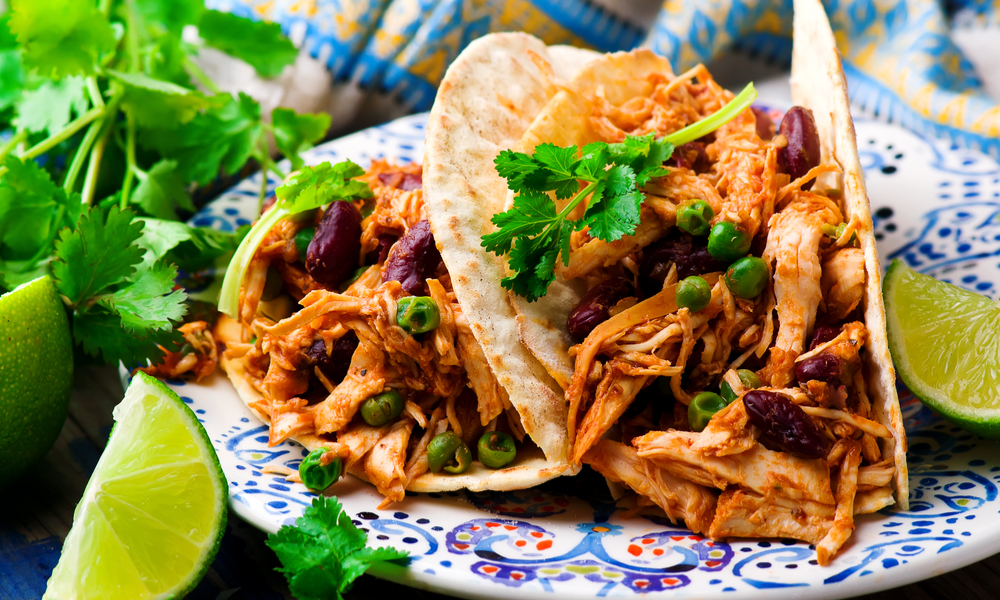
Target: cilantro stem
{"type": "Point", "coordinates": [94, 167]}
{"type": "Point", "coordinates": [199, 75]}
{"type": "Point", "coordinates": [15, 139]}
{"type": "Point", "coordinates": [69, 131]}
{"type": "Point", "coordinates": [94, 92]}
{"type": "Point", "coordinates": [715, 120]}
{"type": "Point", "coordinates": [129, 158]}
{"type": "Point", "coordinates": [81, 154]}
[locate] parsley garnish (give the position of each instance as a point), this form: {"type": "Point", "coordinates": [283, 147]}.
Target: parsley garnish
{"type": "Point", "coordinates": [324, 552]}
{"type": "Point", "coordinates": [611, 176]}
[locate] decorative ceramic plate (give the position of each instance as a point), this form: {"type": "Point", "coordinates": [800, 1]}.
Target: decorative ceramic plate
{"type": "Point", "coordinates": [934, 206]}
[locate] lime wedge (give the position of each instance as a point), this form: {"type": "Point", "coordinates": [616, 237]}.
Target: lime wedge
{"type": "Point", "coordinates": [945, 342]}
{"type": "Point", "coordinates": [154, 511]}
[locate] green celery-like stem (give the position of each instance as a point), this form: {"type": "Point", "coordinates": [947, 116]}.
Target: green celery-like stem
{"type": "Point", "coordinates": [717, 119]}
{"type": "Point", "coordinates": [229, 296]}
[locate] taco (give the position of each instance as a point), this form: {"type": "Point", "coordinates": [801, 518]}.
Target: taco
{"type": "Point", "coordinates": [344, 331]}
{"type": "Point", "coordinates": [715, 318]}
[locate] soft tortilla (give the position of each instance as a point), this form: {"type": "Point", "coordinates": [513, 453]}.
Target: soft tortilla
{"type": "Point", "coordinates": [489, 97]}
{"type": "Point", "coordinates": [529, 469]}
{"type": "Point", "coordinates": [818, 82]}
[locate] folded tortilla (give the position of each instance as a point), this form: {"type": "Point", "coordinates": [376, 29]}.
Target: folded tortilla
{"type": "Point", "coordinates": [500, 109]}
{"type": "Point", "coordinates": [531, 71]}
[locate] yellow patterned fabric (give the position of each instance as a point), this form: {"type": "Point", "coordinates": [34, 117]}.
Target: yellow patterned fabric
{"type": "Point", "coordinates": [898, 54]}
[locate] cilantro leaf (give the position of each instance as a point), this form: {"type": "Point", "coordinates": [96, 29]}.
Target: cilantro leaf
{"type": "Point", "coordinates": [221, 138]}
{"type": "Point", "coordinates": [150, 302]}
{"type": "Point", "coordinates": [514, 167]}
{"type": "Point", "coordinates": [531, 212]}
{"type": "Point", "coordinates": [534, 259]}
{"type": "Point", "coordinates": [100, 253]}
{"type": "Point", "coordinates": [161, 189]}
{"type": "Point", "coordinates": [260, 44]}
{"type": "Point", "coordinates": [100, 332]}
{"type": "Point", "coordinates": [61, 37]}
{"type": "Point", "coordinates": [556, 172]}
{"type": "Point", "coordinates": [614, 212]}
{"type": "Point", "coordinates": [159, 237]}
{"type": "Point", "coordinates": [313, 187]}
{"type": "Point", "coordinates": [32, 210]}
{"type": "Point", "coordinates": [295, 133]}
{"type": "Point", "coordinates": [153, 102]}
{"type": "Point", "coordinates": [51, 105]}
{"type": "Point", "coordinates": [324, 552]}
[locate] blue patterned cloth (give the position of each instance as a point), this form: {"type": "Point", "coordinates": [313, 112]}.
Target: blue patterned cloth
{"type": "Point", "coordinates": [898, 54]}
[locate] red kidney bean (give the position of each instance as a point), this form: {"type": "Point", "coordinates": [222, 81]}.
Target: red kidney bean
{"type": "Point", "coordinates": [381, 251]}
{"type": "Point", "coordinates": [335, 364]}
{"type": "Point", "coordinates": [408, 182]}
{"type": "Point", "coordinates": [822, 367]}
{"type": "Point", "coordinates": [680, 249]}
{"type": "Point", "coordinates": [802, 151]}
{"type": "Point", "coordinates": [691, 156]}
{"type": "Point", "coordinates": [333, 253]}
{"type": "Point", "coordinates": [413, 259]}
{"type": "Point", "coordinates": [765, 126]}
{"type": "Point", "coordinates": [784, 424]}
{"type": "Point", "coordinates": [595, 304]}
{"type": "Point", "coordinates": [822, 335]}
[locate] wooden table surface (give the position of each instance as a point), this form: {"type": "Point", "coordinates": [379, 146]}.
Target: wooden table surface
{"type": "Point", "coordinates": [36, 513]}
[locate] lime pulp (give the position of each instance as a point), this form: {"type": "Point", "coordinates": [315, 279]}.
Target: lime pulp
{"type": "Point", "coordinates": [945, 343]}
{"type": "Point", "coordinates": [153, 513]}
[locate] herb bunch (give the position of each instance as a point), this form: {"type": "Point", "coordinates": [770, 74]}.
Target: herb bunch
{"type": "Point", "coordinates": [325, 552]}
{"type": "Point", "coordinates": [107, 124]}
{"type": "Point", "coordinates": [609, 177]}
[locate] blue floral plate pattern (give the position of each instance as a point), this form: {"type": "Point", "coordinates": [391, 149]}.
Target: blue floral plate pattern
{"type": "Point", "coordinates": [934, 206]}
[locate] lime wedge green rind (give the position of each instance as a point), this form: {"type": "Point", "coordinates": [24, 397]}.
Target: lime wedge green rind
{"type": "Point", "coordinates": [945, 343]}
{"type": "Point", "coordinates": [152, 516]}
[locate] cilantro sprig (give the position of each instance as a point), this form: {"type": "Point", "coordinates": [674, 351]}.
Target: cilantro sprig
{"type": "Point", "coordinates": [325, 552]}
{"type": "Point", "coordinates": [610, 177]}
{"type": "Point", "coordinates": [309, 189]}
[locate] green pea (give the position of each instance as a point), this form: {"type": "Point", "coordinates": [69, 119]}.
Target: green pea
{"type": "Point", "coordinates": [315, 475]}
{"type": "Point", "coordinates": [694, 216]}
{"type": "Point", "coordinates": [693, 293]}
{"type": "Point", "coordinates": [350, 280]}
{"type": "Point", "coordinates": [273, 285]}
{"type": "Point", "coordinates": [496, 449]}
{"type": "Point", "coordinates": [447, 451]}
{"type": "Point", "coordinates": [727, 242]}
{"type": "Point", "coordinates": [747, 277]}
{"type": "Point", "coordinates": [379, 410]}
{"type": "Point", "coordinates": [748, 378]}
{"type": "Point", "coordinates": [417, 314]}
{"type": "Point", "coordinates": [701, 409]}
{"type": "Point", "coordinates": [302, 239]}
{"type": "Point", "coordinates": [726, 391]}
